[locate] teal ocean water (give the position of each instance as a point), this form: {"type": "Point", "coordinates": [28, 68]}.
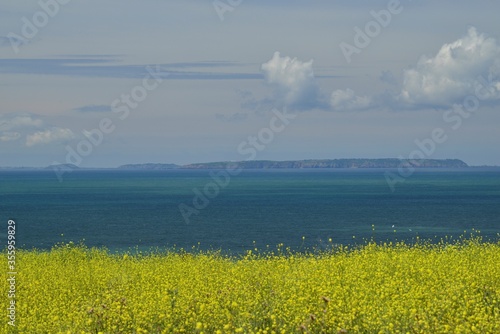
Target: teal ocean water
{"type": "Point", "coordinates": [125, 209]}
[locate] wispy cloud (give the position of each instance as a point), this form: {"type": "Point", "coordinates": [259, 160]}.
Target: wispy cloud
{"type": "Point", "coordinates": [235, 117]}
{"type": "Point", "coordinates": [106, 67]}
{"type": "Point", "coordinates": [10, 122]}
{"type": "Point", "coordinates": [93, 108]}
{"type": "Point", "coordinates": [346, 100]}
{"type": "Point", "coordinates": [388, 77]}
{"type": "Point", "coordinates": [9, 136]}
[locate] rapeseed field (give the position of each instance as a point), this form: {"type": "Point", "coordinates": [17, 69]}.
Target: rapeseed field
{"type": "Point", "coordinates": [377, 288]}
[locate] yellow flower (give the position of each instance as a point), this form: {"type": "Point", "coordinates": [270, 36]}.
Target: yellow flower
{"type": "Point", "coordinates": [378, 288]}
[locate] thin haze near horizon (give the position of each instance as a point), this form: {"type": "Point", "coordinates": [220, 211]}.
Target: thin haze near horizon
{"type": "Point", "coordinates": [101, 84]}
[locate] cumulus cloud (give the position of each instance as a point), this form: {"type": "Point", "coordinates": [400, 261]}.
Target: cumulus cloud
{"type": "Point", "coordinates": [345, 99]}
{"type": "Point", "coordinates": [467, 66]}
{"type": "Point", "coordinates": [293, 81]}
{"type": "Point", "coordinates": [48, 136]}
{"type": "Point", "coordinates": [295, 87]}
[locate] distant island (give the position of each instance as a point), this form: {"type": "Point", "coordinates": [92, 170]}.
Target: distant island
{"type": "Point", "coordinates": [150, 166]}
{"type": "Point", "coordinates": [270, 164]}
{"type": "Point", "coordinates": [313, 163]}
{"type": "Point", "coordinates": [332, 163]}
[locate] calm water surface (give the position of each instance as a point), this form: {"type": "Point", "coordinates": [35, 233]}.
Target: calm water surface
{"type": "Point", "coordinates": [123, 209]}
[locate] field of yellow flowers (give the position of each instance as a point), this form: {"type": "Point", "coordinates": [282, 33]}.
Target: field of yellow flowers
{"type": "Point", "coordinates": [376, 288]}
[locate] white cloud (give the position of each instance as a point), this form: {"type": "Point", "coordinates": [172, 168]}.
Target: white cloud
{"type": "Point", "coordinates": [345, 99]}
{"type": "Point", "coordinates": [9, 136]}
{"type": "Point", "coordinates": [12, 126]}
{"type": "Point", "coordinates": [293, 80]}
{"type": "Point", "coordinates": [36, 131]}
{"type": "Point", "coordinates": [20, 121]}
{"type": "Point", "coordinates": [296, 88]}
{"type": "Point", "coordinates": [452, 74]}
{"type": "Point", "coordinates": [468, 66]}
{"type": "Point", "coordinates": [48, 136]}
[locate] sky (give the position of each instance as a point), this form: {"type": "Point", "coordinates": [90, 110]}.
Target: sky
{"type": "Point", "coordinates": [106, 83]}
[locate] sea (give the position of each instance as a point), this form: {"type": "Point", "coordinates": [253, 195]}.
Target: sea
{"type": "Point", "coordinates": [303, 209]}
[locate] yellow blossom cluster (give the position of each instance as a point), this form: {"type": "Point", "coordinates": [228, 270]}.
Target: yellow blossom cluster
{"type": "Point", "coordinates": [376, 288]}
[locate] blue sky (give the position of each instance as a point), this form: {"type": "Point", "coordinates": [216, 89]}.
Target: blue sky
{"type": "Point", "coordinates": [105, 83]}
